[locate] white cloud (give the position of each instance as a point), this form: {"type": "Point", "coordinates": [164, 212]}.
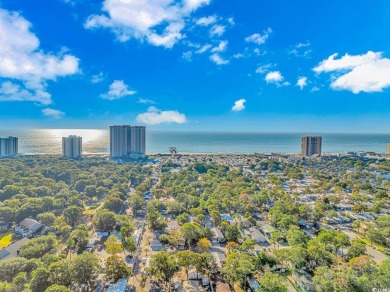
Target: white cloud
{"type": "Point", "coordinates": [187, 56]}
{"type": "Point", "coordinates": [203, 49]}
{"type": "Point", "coordinates": [301, 50]}
{"type": "Point", "coordinates": [264, 68]}
{"type": "Point", "coordinates": [217, 59]}
{"type": "Point", "coordinates": [117, 90]}
{"type": "Point", "coordinates": [258, 38]}
{"type": "Point", "coordinates": [155, 116]}
{"type": "Point", "coordinates": [217, 30]}
{"type": "Point", "coordinates": [274, 77]}
{"type": "Point", "coordinates": [221, 47]}
{"type": "Point", "coordinates": [239, 105]}
{"type": "Point", "coordinates": [146, 101]}
{"type": "Point", "coordinates": [14, 92]}
{"type": "Point", "coordinates": [206, 21]}
{"type": "Point", "coordinates": [315, 89]}
{"type": "Point", "coordinates": [22, 60]}
{"type": "Point", "coordinates": [159, 22]}
{"type": "Point", "coordinates": [97, 78]}
{"type": "Point", "coordinates": [369, 72]}
{"type": "Point", "coordinates": [302, 82]}
{"type": "Point", "coordinates": [53, 113]}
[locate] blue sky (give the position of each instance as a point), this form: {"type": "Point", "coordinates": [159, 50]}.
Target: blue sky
{"type": "Point", "coordinates": [247, 65]}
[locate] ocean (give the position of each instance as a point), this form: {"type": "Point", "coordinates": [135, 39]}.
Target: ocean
{"type": "Point", "coordinates": [96, 141]}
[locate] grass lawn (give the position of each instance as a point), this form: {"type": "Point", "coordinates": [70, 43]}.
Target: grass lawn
{"type": "Point", "coordinates": [5, 241]}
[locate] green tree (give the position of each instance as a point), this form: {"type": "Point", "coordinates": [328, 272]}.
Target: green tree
{"type": "Point", "coordinates": [85, 268]}
{"type": "Point", "coordinates": [324, 279]}
{"type": "Point", "coordinates": [232, 233]}
{"type": "Point", "coordinates": [72, 215]}
{"type": "Point", "coordinates": [47, 218]}
{"type": "Point", "coordinates": [104, 220]}
{"type": "Point", "coordinates": [61, 272]}
{"type": "Point", "coordinates": [163, 266]}
{"type": "Point", "coordinates": [58, 288]}
{"type": "Point", "coordinates": [272, 283]}
{"type": "Point", "coordinates": [248, 244]}
{"type": "Point", "coordinates": [113, 245]}
{"type": "Point", "coordinates": [185, 259]}
{"type": "Point", "coordinates": [39, 280]}
{"type": "Point", "coordinates": [191, 232]}
{"type": "Point", "coordinates": [129, 245]}
{"type": "Point", "coordinates": [295, 236]}
{"type": "Point", "coordinates": [116, 268]}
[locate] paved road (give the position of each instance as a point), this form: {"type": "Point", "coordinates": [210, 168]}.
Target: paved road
{"type": "Point", "coordinates": [376, 255]}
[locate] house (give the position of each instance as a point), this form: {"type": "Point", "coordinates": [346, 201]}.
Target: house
{"type": "Point", "coordinates": [147, 196]}
{"type": "Point", "coordinates": [255, 234]}
{"type": "Point", "coordinates": [173, 225]}
{"type": "Point", "coordinates": [267, 230]}
{"type": "Point", "coordinates": [218, 235]}
{"type": "Point", "coordinates": [194, 275]}
{"type": "Point", "coordinates": [28, 227]}
{"type": "Point", "coordinates": [303, 281]}
{"type": "Point", "coordinates": [243, 222]}
{"type": "Point", "coordinates": [12, 250]}
{"type": "Point", "coordinates": [4, 226]}
{"type": "Point", "coordinates": [156, 245]}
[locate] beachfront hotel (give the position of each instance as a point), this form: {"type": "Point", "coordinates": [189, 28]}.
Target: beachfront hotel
{"type": "Point", "coordinates": [72, 147]}
{"type": "Point", "coordinates": [388, 150]}
{"type": "Point", "coordinates": [127, 141]}
{"type": "Point", "coordinates": [8, 146]}
{"type": "Point", "coordinates": [311, 145]}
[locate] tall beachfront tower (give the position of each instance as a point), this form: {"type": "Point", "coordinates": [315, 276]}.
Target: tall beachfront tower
{"type": "Point", "coordinates": [9, 146]}
{"type": "Point", "coordinates": [127, 141]}
{"type": "Point", "coordinates": [72, 147]}
{"type": "Point", "coordinates": [311, 145]}
{"type": "Point", "coordinates": [388, 150]}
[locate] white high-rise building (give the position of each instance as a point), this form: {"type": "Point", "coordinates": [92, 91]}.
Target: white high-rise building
{"type": "Point", "coordinates": [8, 146]}
{"type": "Point", "coordinates": [127, 140]}
{"type": "Point", "coordinates": [72, 147]}
{"type": "Point", "coordinates": [388, 150]}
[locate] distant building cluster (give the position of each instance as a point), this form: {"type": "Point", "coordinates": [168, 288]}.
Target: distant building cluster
{"type": "Point", "coordinates": [72, 147]}
{"type": "Point", "coordinates": [127, 141]}
{"type": "Point", "coordinates": [311, 145]}
{"type": "Point", "coordinates": [8, 146]}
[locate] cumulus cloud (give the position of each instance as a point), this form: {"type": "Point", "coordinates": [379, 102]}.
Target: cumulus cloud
{"type": "Point", "coordinates": [302, 82]}
{"type": "Point", "coordinates": [160, 23]}
{"type": "Point", "coordinates": [22, 60]}
{"type": "Point", "coordinates": [368, 72]}
{"type": "Point", "coordinates": [217, 30]}
{"type": "Point", "coordinates": [274, 77]}
{"type": "Point", "coordinates": [155, 116]}
{"type": "Point", "coordinates": [301, 50]}
{"type": "Point", "coordinates": [206, 21]}
{"type": "Point", "coordinates": [239, 105]}
{"type": "Point", "coordinates": [217, 59]}
{"type": "Point", "coordinates": [221, 47]}
{"type": "Point", "coordinates": [53, 113]}
{"type": "Point", "coordinates": [259, 38]}
{"type": "Point", "coordinates": [117, 90]}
